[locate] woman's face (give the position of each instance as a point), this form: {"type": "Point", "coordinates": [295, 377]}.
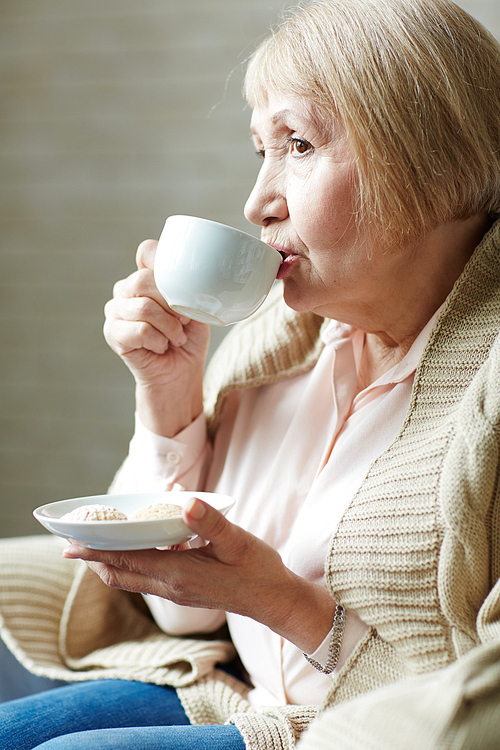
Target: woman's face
{"type": "Point", "coordinates": [305, 199]}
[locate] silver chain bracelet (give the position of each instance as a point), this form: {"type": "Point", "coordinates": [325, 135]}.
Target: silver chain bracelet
{"type": "Point", "coordinates": [335, 643]}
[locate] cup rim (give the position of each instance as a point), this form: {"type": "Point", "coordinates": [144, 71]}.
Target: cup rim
{"type": "Point", "coordinates": [223, 226]}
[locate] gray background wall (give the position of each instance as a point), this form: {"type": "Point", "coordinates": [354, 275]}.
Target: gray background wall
{"type": "Point", "coordinates": [114, 114]}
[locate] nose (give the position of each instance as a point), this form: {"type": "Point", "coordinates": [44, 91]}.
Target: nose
{"type": "Point", "coordinates": [267, 202]}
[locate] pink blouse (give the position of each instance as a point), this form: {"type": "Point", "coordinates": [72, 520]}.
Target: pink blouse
{"type": "Point", "coordinates": [293, 455]}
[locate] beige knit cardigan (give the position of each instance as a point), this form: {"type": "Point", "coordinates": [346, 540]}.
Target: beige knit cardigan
{"type": "Point", "coordinates": [416, 554]}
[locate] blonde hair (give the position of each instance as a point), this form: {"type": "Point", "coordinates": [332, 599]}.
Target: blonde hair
{"type": "Point", "coordinates": [416, 84]}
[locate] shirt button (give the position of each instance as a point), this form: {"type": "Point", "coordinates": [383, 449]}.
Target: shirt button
{"type": "Point", "coordinates": [173, 457]}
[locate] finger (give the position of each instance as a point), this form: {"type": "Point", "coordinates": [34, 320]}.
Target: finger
{"type": "Point", "coordinates": [227, 540]}
{"type": "Point", "coordinates": [117, 578]}
{"type": "Point", "coordinates": [145, 256]}
{"type": "Point", "coordinates": [125, 570]}
{"type": "Point", "coordinates": [141, 284]}
{"type": "Point", "coordinates": [145, 310]}
{"type": "Point", "coordinates": [117, 558]}
{"type": "Point", "coordinates": [145, 259]}
{"type": "Point", "coordinates": [119, 288]}
{"type": "Point", "coordinates": [143, 571]}
{"type": "Point", "coordinates": [125, 337]}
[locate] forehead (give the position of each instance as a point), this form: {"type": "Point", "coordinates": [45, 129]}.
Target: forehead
{"type": "Point", "coordinates": [282, 111]}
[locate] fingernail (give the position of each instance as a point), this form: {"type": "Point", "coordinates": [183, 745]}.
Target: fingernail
{"type": "Point", "coordinates": [184, 320]}
{"type": "Point", "coordinates": [195, 508]}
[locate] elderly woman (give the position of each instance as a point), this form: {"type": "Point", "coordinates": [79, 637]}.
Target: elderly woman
{"type": "Point", "coordinates": [355, 417]}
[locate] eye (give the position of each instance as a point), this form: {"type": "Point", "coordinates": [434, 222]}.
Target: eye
{"type": "Point", "coordinates": [260, 153]}
{"type": "Point", "coordinates": [299, 146]}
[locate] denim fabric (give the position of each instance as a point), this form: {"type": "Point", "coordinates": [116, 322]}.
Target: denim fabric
{"type": "Point", "coordinates": [107, 714]}
{"type": "Point", "coordinates": [151, 738]}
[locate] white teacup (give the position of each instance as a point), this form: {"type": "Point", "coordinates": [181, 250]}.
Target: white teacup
{"type": "Point", "coordinates": [211, 272]}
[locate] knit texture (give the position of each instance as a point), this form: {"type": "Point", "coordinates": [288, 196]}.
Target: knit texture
{"type": "Point", "coordinates": [60, 621]}
{"type": "Point", "coordinates": [34, 584]}
{"type": "Point", "coordinates": [416, 553]}
{"type": "Point", "coordinates": [456, 708]}
{"type": "Point", "coordinates": [412, 553]}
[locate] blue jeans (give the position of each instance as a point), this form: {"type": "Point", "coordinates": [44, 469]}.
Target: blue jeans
{"type": "Point", "coordinates": [109, 715]}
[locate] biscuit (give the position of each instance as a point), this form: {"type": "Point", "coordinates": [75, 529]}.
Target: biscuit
{"type": "Point", "coordinates": [94, 513]}
{"type": "Point", "coordinates": [157, 510]}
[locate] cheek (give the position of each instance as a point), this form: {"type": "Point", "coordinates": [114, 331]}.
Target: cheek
{"type": "Point", "coordinates": [308, 210]}
{"type": "Point", "coordinates": [322, 206]}
{"type": "Point", "coordinates": [324, 224]}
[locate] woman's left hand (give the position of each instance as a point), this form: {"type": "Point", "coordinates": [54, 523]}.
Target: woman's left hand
{"type": "Point", "coordinates": [235, 572]}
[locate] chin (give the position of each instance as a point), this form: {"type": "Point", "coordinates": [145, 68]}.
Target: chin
{"type": "Point", "coordinates": [296, 299]}
{"type": "Point", "coordinates": [302, 303]}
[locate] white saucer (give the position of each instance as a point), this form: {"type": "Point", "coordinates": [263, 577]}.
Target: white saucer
{"type": "Point", "coordinates": [126, 535]}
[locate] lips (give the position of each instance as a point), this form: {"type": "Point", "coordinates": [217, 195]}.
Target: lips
{"type": "Point", "coordinates": [283, 251]}
{"type": "Point", "coordinates": [288, 259]}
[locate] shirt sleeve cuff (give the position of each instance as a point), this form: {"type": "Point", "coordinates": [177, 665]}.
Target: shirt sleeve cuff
{"type": "Point", "coordinates": [354, 630]}
{"type": "Point", "coordinates": [165, 461]}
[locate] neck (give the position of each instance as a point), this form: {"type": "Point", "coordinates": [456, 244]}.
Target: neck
{"type": "Point", "coordinates": [434, 266]}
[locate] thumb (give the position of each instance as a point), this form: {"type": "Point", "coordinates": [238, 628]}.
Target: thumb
{"type": "Point", "coordinates": [208, 523]}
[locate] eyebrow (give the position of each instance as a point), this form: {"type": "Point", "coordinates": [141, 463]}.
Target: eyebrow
{"type": "Point", "coordinates": [282, 114]}
{"type": "Point", "coordinates": [277, 117]}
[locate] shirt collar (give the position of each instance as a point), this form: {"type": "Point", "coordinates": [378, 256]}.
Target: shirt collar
{"type": "Point", "coordinates": [335, 332]}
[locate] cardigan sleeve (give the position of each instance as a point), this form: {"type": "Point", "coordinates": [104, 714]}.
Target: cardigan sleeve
{"type": "Point", "coordinates": [454, 708]}
{"type": "Point", "coordinates": [469, 564]}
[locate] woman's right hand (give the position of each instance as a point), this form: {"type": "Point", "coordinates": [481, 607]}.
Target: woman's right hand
{"type": "Point", "coordinates": [165, 352]}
